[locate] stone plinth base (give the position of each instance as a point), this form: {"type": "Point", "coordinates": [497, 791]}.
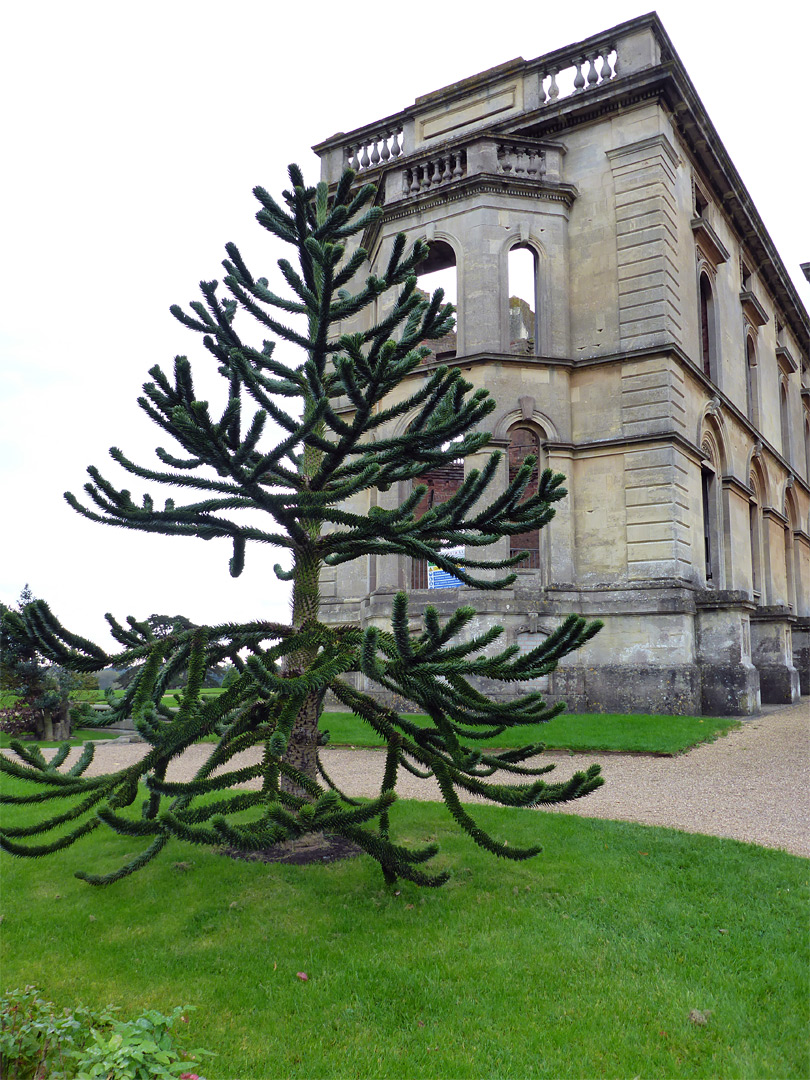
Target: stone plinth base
{"type": "Point", "coordinates": [801, 652]}
{"type": "Point", "coordinates": [729, 690]}
{"type": "Point", "coordinates": [773, 655]}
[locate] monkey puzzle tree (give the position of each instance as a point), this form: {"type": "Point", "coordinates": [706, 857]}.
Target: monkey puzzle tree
{"type": "Point", "coordinates": [301, 483]}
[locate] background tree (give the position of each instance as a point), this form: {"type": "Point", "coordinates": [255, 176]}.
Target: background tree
{"type": "Point", "coordinates": [301, 484]}
{"type": "Point", "coordinates": [162, 626]}
{"type": "Point", "coordinates": [39, 693]}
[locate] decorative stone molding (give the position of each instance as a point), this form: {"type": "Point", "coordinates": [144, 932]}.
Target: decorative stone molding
{"type": "Point", "coordinates": [752, 309]}
{"type": "Point", "coordinates": [709, 243]}
{"type": "Point", "coordinates": [785, 360]}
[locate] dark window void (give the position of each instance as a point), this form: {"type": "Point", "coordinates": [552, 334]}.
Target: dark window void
{"type": "Point", "coordinates": [706, 326]}
{"type": "Point", "coordinates": [439, 271]}
{"type": "Point", "coordinates": [751, 372]}
{"type": "Point", "coordinates": [709, 532]}
{"type": "Point", "coordinates": [524, 326]}
{"type": "Point", "coordinates": [756, 565]}
{"type": "Point", "coordinates": [523, 441]}
{"type": "Point", "coordinates": [784, 416]}
{"type": "Point", "coordinates": [442, 484]}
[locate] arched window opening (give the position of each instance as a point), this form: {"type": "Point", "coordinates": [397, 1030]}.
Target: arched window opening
{"type": "Point", "coordinates": [755, 530]}
{"type": "Point", "coordinates": [523, 442]}
{"type": "Point", "coordinates": [439, 271]}
{"type": "Point", "coordinates": [784, 417]}
{"type": "Point", "coordinates": [751, 384]}
{"type": "Point", "coordinates": [789, 575]}
{"type": "Point", "coordinates": [807, 447]}
{"type": "Point", "coordinates": [707, 344]}
{"type": "Point", "coordinates": [793, 570]}
{"type": "Point", "coordinates": [712, 524]}
{"type": "Point", "coordinates": [524, 307]}
{"type": "Point", "coordinates": [442, 484]}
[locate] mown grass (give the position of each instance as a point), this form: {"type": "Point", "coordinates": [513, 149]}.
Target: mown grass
{"type": "Point", "coordinates": [569, 731]}
{"type": "Point", "coordinates": [79, 735]}
{"type": "Point", "coordinates": [583, 962]}
{"type": "Point", "coordinates": [573, 731]}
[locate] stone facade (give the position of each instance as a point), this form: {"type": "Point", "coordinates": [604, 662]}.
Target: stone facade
{"type": "Point", "coordinates": [666, 373]}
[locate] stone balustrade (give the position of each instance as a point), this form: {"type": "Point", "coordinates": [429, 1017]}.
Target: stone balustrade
{"type": "Point", "coordinates": [556, 81]}
{"type": "Point", "coordinates": [504, 96]}
{"type": "Point", "coordinates": [434, 172]}
{"type": "Point", "coordinates": [521, 159]}
{"type": "Point", "coordinates": [371, 152]}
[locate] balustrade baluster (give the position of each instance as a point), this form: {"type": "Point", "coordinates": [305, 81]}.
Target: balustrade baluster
{"type": "Point", "coordinates": [365, 160]}
{"type": "Point", "coordinates": [425, 176]}
{"type": "Point", "coordinates": [414, 179]}
{"type": "Point", "coordinates": [593, 74]}
{"type": "Point", "coordinates": [553, 89]}
{"type": "Point", "coordinates": [385, 153]}
{"type": "Point", "coordinates": [375, 154]}
{"type": "Point", "coordinates": [457, 170]}
{"type": "Point", "coordinates": [579, 80]}
{"type": "Point", "coordinates": [396, 149]}
{"type": "Point", "coordinates": [605, 72]}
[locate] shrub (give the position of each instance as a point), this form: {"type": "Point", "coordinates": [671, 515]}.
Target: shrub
{"type": "Point", "coordinates": [38, 1040]}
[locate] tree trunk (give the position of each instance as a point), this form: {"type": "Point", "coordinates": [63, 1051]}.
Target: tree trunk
{"type": "Point", "coordinates": [302, 747]}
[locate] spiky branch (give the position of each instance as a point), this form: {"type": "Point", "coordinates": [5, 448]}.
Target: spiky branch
{"type": "Point", "coordinates": [303, 484]}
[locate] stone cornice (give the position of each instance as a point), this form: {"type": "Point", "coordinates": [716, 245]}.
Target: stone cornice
{"type": "Point", "coordinates": [772, 514]}
{"type": "Point", "coordinates": [785, 360]}
{"type": "Point", "coordinates": [752, 309]}
{"type": "Point", "coordinates": [481, 184]}
{"type": "Point", "coordinates": [672, 349]}
{"type": "Point", "coordinates": [733, 483]}
{"type": "Point", "coordinates": [709, 242]}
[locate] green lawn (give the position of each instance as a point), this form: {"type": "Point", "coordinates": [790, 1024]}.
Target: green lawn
{"type": "Point", "coordinates": [570, 731]}
{"type": "Point", "coordinates": [583, 962]}
{"type": "Point", "coordinates": [573, 731]}
{"type": "Point", "coordinates": [80, 735]}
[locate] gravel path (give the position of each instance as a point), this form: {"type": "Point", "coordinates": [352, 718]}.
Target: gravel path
{"type": "Point", "coordinates": [753, 784]}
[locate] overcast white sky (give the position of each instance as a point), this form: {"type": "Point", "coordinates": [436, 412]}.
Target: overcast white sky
{"type": "Point", "coordinates": [132, 137]}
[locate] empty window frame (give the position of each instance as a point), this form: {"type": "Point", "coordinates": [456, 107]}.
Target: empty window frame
{"type": "Point", "coordinates": [751, 381]}
{"type": "Point", "coordinates": [524, 305]}
{"type": "Point", "coordinates": [784, 418]}
{"type": "Point", "coordinates": [708, 344]}
{"type": "Point", "coordinates": [712, 524]}
{"type": "Point", "coordinates": [442, 484]}
{"type": "Point", "coordinates": [439, 271]}
{"type": "Point", "coordinates": [755, 531]}
{"type": "Point", "coordinates": [524, 441]}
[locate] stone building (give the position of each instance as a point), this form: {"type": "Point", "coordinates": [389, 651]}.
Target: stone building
{"type": "Point", "coordinates": [659, 360]}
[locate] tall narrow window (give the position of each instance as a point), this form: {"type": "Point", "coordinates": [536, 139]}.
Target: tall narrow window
{"type": "Point", "coordinates": [439, 271]}
{"type": "Point", "coordinates": [707, 347]}
{"type": "Point", "coordinates": [807, 446]}
{"type": "Point", "coordinates": [754, 518]}
{"type": "Point", "coordinates": [707, 491]}
{"type": "Point", "coordinates": [789, 576]}
{"type": "Point", "coordinates": [793, 572]}
{"type": "Point", "coordinates": [442, 483]}
{"type": "Point", "coordinates": [524, 321]}
{"type": "Point", "coordinates": [784, 417]}
{"type": "Point", "coordinates": [751, 384]}
{"type": "Point", "coordinates": [523, 442]}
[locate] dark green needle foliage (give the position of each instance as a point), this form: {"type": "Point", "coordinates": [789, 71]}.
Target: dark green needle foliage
{"type": "Point", "coordinates": [300, 483]}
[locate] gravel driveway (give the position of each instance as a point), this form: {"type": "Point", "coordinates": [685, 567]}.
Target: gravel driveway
{"type": "Point", "coordinates": [752, 784]}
